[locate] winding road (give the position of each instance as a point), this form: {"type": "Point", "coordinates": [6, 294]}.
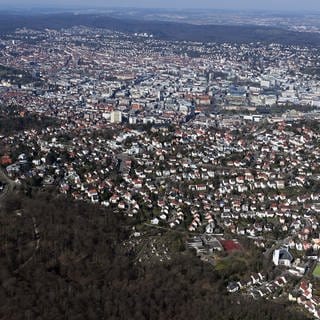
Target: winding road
{"type": "Point", "coordinates": [9, 187]}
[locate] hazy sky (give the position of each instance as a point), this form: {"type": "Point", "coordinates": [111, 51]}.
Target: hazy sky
{"type": "Point", "coordinates": [290, 5]}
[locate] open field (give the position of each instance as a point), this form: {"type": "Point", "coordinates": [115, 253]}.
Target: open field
{"type": "Point", "coordinates": [316, 271]}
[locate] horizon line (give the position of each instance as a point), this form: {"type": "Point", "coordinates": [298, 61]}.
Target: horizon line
{"type": "Point", "coordinates": [14, 8]}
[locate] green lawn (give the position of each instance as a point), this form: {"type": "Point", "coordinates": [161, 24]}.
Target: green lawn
{"type": "Point", "coordinates": [316, 271]}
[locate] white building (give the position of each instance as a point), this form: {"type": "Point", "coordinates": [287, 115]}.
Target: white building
{"type": "Point", "coordinates": [116, 116]}
{"type": "Point", "coordinates": [282, 257]}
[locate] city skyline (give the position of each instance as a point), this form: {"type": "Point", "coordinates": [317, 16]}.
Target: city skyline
{"type": "Point", "coordinates": [160, 163]}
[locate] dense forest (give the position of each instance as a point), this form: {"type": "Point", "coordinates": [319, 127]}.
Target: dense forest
{"type": "Point", "coordinates": [14, 119]}
{"type": "Point", "coordinates": [16, 76]}
{"type": "Point", "coordinates": [9, 125]}
{"type": "Point", "coordinates": [62, 259]}
{"type": "Point", "coordinates": [161, 29]}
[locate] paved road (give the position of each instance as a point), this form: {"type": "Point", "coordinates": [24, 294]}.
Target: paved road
{"type": "Point", "coordinates": [36, 242]}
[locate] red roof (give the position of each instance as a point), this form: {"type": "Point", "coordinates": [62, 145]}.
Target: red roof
{"type": "Point", "coordinates": [304, 285]}
{"type": "Point", "coordinates": [6, 160]}
{"type": "Point", "coordinates": [231, 245]}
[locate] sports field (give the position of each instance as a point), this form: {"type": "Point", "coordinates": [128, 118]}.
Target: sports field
{"type": "Point", "coordinates": [316, 271]}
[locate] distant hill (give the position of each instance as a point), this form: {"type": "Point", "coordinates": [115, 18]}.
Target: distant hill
{"type": "Point", "coordinates": [162, 30]}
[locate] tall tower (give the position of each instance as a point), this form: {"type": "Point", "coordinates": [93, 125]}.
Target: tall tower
{"type": "Point", "coordinates": [116, 116]}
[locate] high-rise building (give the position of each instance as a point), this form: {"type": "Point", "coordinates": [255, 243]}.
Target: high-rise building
{"type": "Point", "coordinates": [132, 120]}
{"type": "Point", "coordinates": [116, 116]}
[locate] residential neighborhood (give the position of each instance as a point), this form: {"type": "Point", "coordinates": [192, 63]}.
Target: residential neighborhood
{"type": "Point", "coordinates": [218, 142]}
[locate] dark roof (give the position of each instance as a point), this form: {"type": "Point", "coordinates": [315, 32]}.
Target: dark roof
{"type": "Point", "coordinates": [284, 254]}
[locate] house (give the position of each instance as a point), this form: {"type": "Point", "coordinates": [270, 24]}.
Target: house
{"type": "Point", "coordinates": [212, 242]}
{"type": "Point", "coordinates": [306, 289]}
{"type": "Point", "coordinates": [5, 160]}
{"type": "Point", "coordinates": [137, 183]}
{"type": "Point", "coordinates": [280, 184]}
{"type": "Point", "coordinates": [93, 195]}
{"type": "Point", "coordinates": [282, 257]}
{"type": "Point", "coordinates": [155, 221]}
{"type": "Point", "coordinates": [280, 281]}
{"type": "Point", "coordinates": [201, 187]}
{"type": "Point", "coordinates": [233, 287]}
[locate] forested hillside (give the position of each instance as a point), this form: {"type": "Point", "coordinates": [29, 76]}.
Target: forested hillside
{"type": "Point", "coordinates": [65, 260]}
{"type": "Point", "coordinates": [161, 29]}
